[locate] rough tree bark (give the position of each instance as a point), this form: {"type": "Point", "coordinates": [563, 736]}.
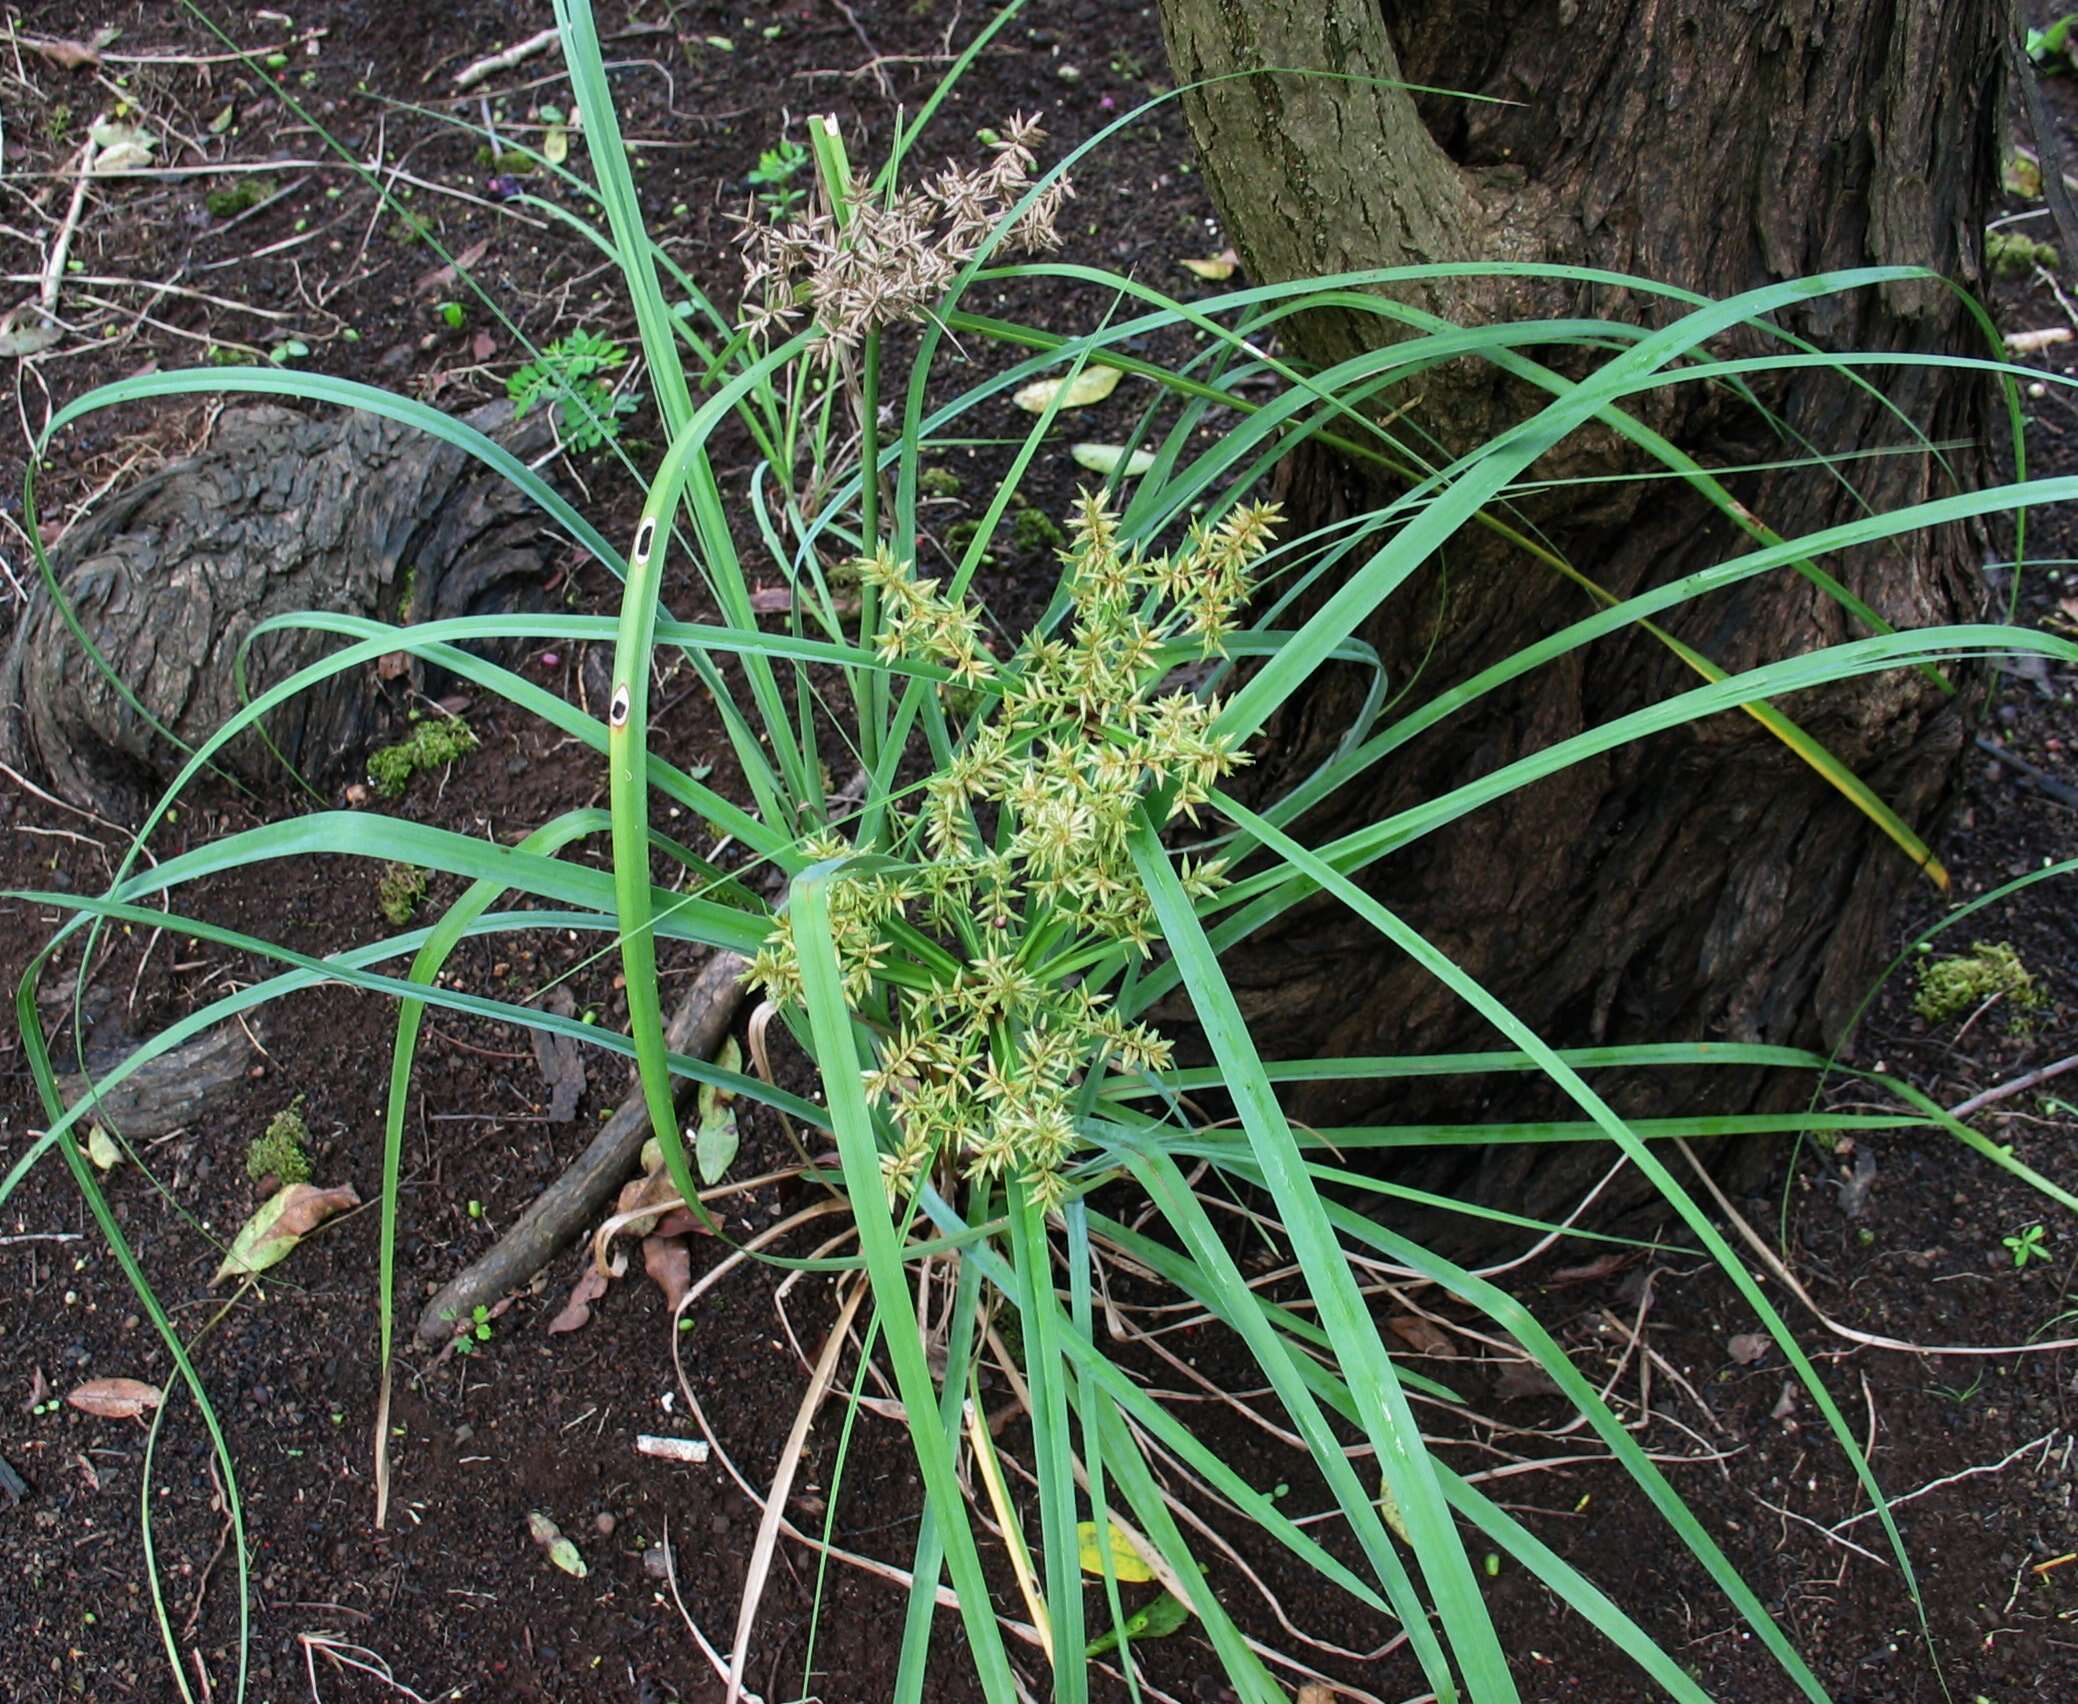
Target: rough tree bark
{"type": "Point", "coordinates": [1705, 885]}
{"type": "Point", "coordinates": [349, 513]}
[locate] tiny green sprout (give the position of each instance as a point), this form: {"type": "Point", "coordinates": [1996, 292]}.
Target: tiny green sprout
{"type": "Point", "coordinates": [1492, 1564]}
{"type": "Point", "coordinates": [774, 174]}
{"type": "Point", "coordinates": [454, 314]}
{"type": "Point", "coordinates": [275, 61]}
{"type": "Point", "coordinates": [2026, 1245]}
{"type": "Point", "coordinates": [482, 1316]}
{"type": "Point", "coordinates": [475, 1209]}
{"type": "Point", "coordinates": [287, 350]}
{"type": "Point", "coordinates": [685, 1325]}
{"type": "Point", "coordinates": [570, 370]}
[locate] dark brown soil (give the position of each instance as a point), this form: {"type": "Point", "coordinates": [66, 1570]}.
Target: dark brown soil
{"type": "Point", "coordinates": [452, 1597]}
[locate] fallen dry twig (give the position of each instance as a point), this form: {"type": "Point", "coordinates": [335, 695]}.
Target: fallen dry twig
{"type": "Point", "coordinates": [564, 1208]}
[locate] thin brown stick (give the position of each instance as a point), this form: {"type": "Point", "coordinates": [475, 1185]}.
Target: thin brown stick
{"type": "Point", "coordinates": [563, 1209]}
{"type": "Point", "coordinates": [2019, 1085]}
{"type": "Point", "coordinates": [470, 75]}
{"type": "Point", "coordinates": [61, 245]}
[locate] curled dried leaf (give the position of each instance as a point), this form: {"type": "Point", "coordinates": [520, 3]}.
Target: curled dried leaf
{"type": "Point", "coordinates": [284, 1219]}
{"type": "Point", "coordinates": [670, 1266]}
{"type": "Point", "coordinates": [590, 1286]}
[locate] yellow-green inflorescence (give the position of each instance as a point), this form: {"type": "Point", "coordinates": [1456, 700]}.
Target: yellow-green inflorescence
{"type": "Point", "coordinates": [1021, 873]}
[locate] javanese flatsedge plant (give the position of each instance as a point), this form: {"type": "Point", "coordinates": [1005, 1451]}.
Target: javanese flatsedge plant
{"type": "Point", "coordinates": [1041, 841]}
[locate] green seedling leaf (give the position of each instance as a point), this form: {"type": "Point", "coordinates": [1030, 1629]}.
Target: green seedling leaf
{"type": "Point", "coordinates": [283, 1220]}
{"type": "Point", "coordinates": [102, 1149]}
{"type": "Point", "coordinates": [716, 1144]}
{"type": "Point", "coordinates": [1092, 384]}
{"type": "Point", "coordinates": [1104, 458]}
{"type": "Point", "coordinates": [713, 1097]}
{"type": "Point", "coordinates": [225, 119]}
{"type": "Point", "coordinates": [560, 1550]}
{"type": "Point", "coordinates": [1216, 270]}
{"type": "Point", "coordinates": [1126, 1564]}
{"type": "Point", "coordinates": [555, 146]}
{"type": "Point", "coordinates": [2052, 43]}
{"type": "Point", "coordinates": [1157, 1621]}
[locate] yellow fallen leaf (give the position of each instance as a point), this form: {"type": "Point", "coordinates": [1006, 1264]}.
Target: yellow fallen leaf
{"type": "Point", "coordinates": [1126, 1564]}
{"type": "Point", "coordinates": [1104, 458]}
{"type": "Point", "coordinates": [1217, 270]}
{"type": "Point", "coordinates": [1092, 384]}
{"type": "Point", "coordinates": [102, 1149]}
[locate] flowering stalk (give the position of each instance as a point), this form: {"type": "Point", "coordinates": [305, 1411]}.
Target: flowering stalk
{"type": "Point", "coordinates": [1018, 862]}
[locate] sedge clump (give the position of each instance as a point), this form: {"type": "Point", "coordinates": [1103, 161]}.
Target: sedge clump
{"type": "Point", "coordinates": [969, 959]}
{"type": "Point", "coordinates": [1950, 987]}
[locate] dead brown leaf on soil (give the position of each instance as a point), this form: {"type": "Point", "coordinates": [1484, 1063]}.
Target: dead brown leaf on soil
{"type": "Point", "coordinates": [670, 1264]}
{"type": "Point", "coordinates": [561, 1059]}
{"type": "Point", "coordinates": [442, 276]}
{"type": "Point", "coordinates": [66, 55]}
{"type": "Point", "coordinates": [1748, 1347]}
{"type": "Point", "coordinates": [1418, 1334]}
{"type": "Point", "coordinates": [577, 1311]}
{"type": "Point", "coordinates": [115, 1399]}
{"type": "Point", "coordinates": [1521, 1378]}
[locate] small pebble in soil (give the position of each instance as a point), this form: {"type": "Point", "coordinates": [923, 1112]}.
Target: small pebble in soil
{"type": "Point", "coordinates": [604, 1523]}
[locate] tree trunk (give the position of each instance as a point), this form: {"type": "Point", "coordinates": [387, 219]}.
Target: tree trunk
{"type": "Point", "coordinates": [1705, 885]}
